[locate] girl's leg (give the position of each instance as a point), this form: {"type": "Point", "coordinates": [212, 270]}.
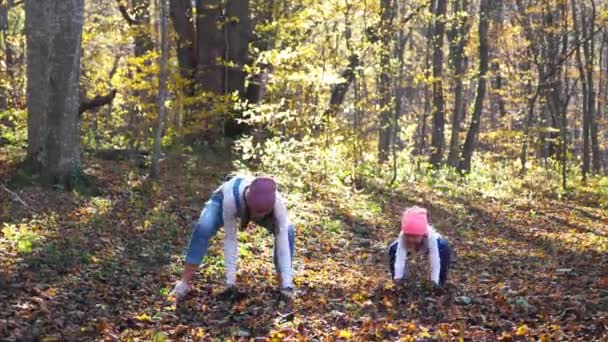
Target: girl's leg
{"type": "Point", "coordinates": [445, 257]}
{"type": "Point", "coordinates": [392, 253]}
{"type": "Point", "coordinates": [206, 227]}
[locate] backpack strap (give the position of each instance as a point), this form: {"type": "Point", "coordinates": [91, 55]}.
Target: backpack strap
{"type": "Point", "coordinates": [237, 196]}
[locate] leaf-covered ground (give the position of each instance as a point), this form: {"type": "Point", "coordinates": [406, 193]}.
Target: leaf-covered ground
{"type": "Point", "coordinates": [81, 267]}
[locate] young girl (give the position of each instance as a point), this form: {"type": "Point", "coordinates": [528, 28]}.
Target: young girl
{"type": "Point", "coordinates": [420, 237]}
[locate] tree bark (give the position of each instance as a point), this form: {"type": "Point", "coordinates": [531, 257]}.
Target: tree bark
{"type": "Point", "coordinates": [384, 86]}
{"type": "Point", "coordinates": [237, 51]}
{"type": "Point", "coordinates": [143, 40]}
{"type": "Point", "coordinates": [422, 125]}
{"type": "Point", "coordinates": [464, 165]}
{"type": "Point", "coordinates": [457, 38]}
{"type": "Point", "coordinates": [162, 89]}
{"type": "Point", "coordinates": [4, 6]}
{"type": "Point", "coordinates": [586, 86]}
{"type": "Point", "coordinates": [63, 139]}
{"type": "Point", "coordinates": [37, 26]}
{"type": "Point", "coordinates": [438, 138]}
{"type": "Point", "coordinates": [210, 46]}
{"type": "Point", "coordinates": [588, 25]}
{"type": "Point", "coordinates": [339, 90]}
{"type": "Point", "coordinates": [54, 31]}
{"type": "Point", "coordinates": [183, 23]}
{"type": "Point", "coordinates": [496, 14]}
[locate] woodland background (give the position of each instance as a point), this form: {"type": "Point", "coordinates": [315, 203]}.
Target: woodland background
{"type": "Point", "coordinates": [118, 119]}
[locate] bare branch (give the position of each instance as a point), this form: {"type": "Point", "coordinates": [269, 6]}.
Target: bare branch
{"type": "Point", "coordinates": [122, 7]}
{"type": "Point", "coordinates": [16, 197]}
{"type": "Point", "coordinates": [97, 101]}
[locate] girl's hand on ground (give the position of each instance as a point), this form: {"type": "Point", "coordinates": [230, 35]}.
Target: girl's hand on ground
{"type": "Point", "coordinates": [181, 290]}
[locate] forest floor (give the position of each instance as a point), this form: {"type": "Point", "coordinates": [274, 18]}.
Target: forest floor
{"type": "Point", "coordinates": [83, 267]}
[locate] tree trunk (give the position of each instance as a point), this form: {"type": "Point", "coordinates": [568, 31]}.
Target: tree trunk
{"type": "Point", "coordinates": [143, 40]}
{"type": "Point", "coordinates": [181, 17]}
{"type": "Point", "coordinates": [588, 25]}
{"type": "Point", "coordinates": [162, 88]}
{"type": "Point", "coordinates": [210, 46]}
{"type": "Point", "coordinates": [438, 138]}
{"type": "Point", "coordinates": [421, 142]}
{"type": "Point", "coordinates": [4, 42]}
{"type": "Point", "coordinates": [586, 86]}
{"type": "Point", "coordinates": [464, 165]}
{"type": "Point", "coordinates": [457, 39]}
{"type": "Point", "coordinates": [384, 87]}
{"type": "Point", "coordinates": [496, 14]}
{"type": "Point", "coordinates": [37, 25]}
{"type": "Point", "coordinates": [239, 35]}
{"type": "Point", "coordinates": [56, 33]}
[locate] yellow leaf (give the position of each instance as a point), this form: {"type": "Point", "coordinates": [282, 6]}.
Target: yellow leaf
{"type": "Point", "coordinates": [344, 334]}
{"type": "Point", "coordinates": [424, 333]}
{"type": "Point", "coordinates": [391, 327]}
{"type": "Point", "coordinates": [200, 332]}
{"type": "Point", "coordinates": [522, 330]}
{"type": "Point", "coordinates": [143, 317]}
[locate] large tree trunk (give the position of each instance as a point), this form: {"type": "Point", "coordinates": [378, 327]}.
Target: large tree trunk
{"type": "Point", "coordinates": [37, 25]}
{"type": "Point", "coordinates": [162, 89]}
{"type": "Point", "coordinates": [183, 23]}
{"type": "Point", "coordinates": [457, 38]}
{"type": "Point", "coordinates": [384, 83]}
{"type": "Point", "coordinates": [63, 139]}
{"type": "Point", "coordinates": [210, 46]}
{"type": "Point", "coordinates": [471, 140]}
{"type": "Point", "coordinates": [56, 33]}
{"type": "Point", "coordinates": [438, 138]}
{"type": "Point", "coordinates": [239, 35]}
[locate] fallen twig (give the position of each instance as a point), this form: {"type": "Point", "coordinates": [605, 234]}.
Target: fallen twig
{"type": "Point", "coordinates": [16, 197]}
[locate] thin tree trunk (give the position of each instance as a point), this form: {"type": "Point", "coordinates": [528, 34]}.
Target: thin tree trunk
{"type": "Point", "coordinates": [588, 25]}
{"type": "Point", "coordinates": [4, 6]}
{"type": "Point", "coordinates": [438, 136]}
{"type": "Point", "coordinates": [528, 125]}
{"type": "Point", "coordinates": [162, 88]}
{"type": "Point", "coordinates": [421, 142]}
{"type": "Point", "coordinates": [585, 86]}
{"type": "Point", "coordinates": [496, 13]}
{"type": "Point", "coordinates": [384, 87]}
{"type": "Point", "coordinates": [464, 166]}
{"type": "Point", "coordinates": [457, 42]}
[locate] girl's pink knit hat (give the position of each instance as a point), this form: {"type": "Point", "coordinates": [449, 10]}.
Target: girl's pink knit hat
{"type": "Point", "coordinates": [414, 221]}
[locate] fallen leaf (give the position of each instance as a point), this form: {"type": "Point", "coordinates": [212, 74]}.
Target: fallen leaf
{"type": "Point", "coordinates": [522, 330]}
{"type": "Point", "coordinates": [344, 334]}
{"type": "Point", "coordinates": [143, 317]}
